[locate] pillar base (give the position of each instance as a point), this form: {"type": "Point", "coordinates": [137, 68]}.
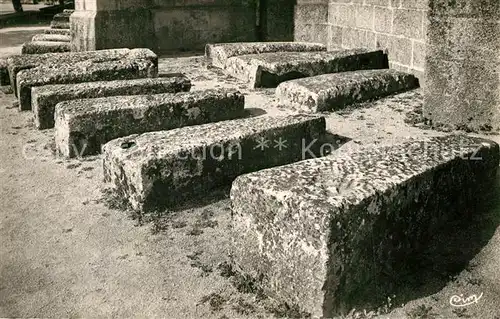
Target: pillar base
{"type": "Point", "coordinates": [96, 30]}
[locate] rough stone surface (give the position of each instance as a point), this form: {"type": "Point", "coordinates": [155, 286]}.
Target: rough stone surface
{"type": "Point", "coordinates": [220, 52]}
{"type": "Point", "coordinates": [87, 71]}
{"type": "Point", "coordinates": [82, 126]}
{"type": "Point", "coordinates": [39, 47]}
{"type": "Point", "coordinates": [97, 29]}
{"type": "Point", "coordinates": [161, 169]}
{"type": "Point", "coordinates": [45, 98]}
{"type": "Point", "coordinates": [22, 62]}
{"type": "Point", "coordinates": [57, 31]}
{"type": "Point", "coordinates": [4, 73]}
{"type": "Point", "coordinates": [51, 37]}
{"type": "Point", "coordinates": [60, 25]}
{"type": "Point", "coordinates": [62, 17]}
{"type": "Point", "coordinates": [331, 92]}
{"type": "Point", "coordinates": [461, 65]}
{"type": "Point", "coordinates": [321, 233]}
{"type": "Point", "coordinates": [270, 69]}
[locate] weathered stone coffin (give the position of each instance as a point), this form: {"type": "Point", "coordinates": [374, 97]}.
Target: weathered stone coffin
{"type": "Point", "coordinates": [62, 17]}
{"type": "Point", "coordinates": [57, 31]}
{"type": "Point", "coordinates": [60, 25]}
{"type": "Point", "coordinates": [270, 69]}
{"type": "Point", "coordinates": [219, 53]}
{"type": "Point", "coordinates": [45, 98]}
{"type": "Point", "coordinates": [162, 169]}
{"type": "Point", "coordinates": [51, 37]}
{"type": "Point", "coordinates": [87, 71]}
{"type": "Point", "coordinates": [40, 47]}
{"type": "Point", "coordinates": [82, 126]}
{"type": "Point", "coordinates": [54, 60]}
{"type": "Point", "coordinates": [331, 92]}
{"type": "Point", "coordinates": [323, 232]}
{"type": "Point", "coordinates": [4, 73]}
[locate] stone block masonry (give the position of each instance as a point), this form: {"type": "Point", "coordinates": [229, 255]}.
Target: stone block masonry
{"type": "Point", "coordinates": [270, 69]}
{"type": "Point", "coordinates": [321, 233]}
{"type": "Point", "coordinates": [45, 98]}
{"type": "Point", "coordinates": [219, 53]}
{"type": "Point", "coordinates": [397, 26]}
{"type": "Point", "coordinates": [462, 65]}
{"type": "Point", "coordinates": [87, 71]}
{"type": "Point", "coordinates": [40, 47]}
{"type": "Point", "coordinates": [162, 169]}
{"type": "Point", "coordinates": [333, 92]}
{"type": "Point", "coordinates": [82, 126]}
{"type": "Point", "coordinates": [54, 60]}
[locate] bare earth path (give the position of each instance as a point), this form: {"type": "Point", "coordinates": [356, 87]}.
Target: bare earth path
{"type": "Point", "coordinates": [64, 253]}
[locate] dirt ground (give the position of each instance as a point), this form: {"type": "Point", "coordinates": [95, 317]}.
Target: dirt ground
{"type": "Point", "coordinates": [66, 253]}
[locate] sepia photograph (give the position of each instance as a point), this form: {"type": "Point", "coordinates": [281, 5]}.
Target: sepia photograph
{"type": "Point", "coordinates": [250, 159]}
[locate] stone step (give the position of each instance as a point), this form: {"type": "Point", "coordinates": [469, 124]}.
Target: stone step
{"type": "Point", "coordinates": [62, 17]}
{"type": "Point", "coordinates": [40, 47]}
{"type": "Point", "coordinates": [82, 126]}
{"type": "Point", "coordinates": [270, 69]}
{"type": "Point", "coordinates": [52, 37]}
{"type": "Point", "coordinates": [22, 62]}
{"type": "Point", "coordinates": [60, 25]}
{"type": "Point", "coordinates": [321, 231]}
{"type": "Point", "coordinates": [218, 53]}
{"type": "Point", "coordinates": [163, 169]}
{"type": "Point", "coordinates": [57, 31]}
{"type": "Point", "coordinates": [335, 91]}
{"type": "Point", "coordinates": [45, 98]}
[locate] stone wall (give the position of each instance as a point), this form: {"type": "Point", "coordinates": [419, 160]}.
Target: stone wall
{"type": "Point", "coordinates": [397, 26]}
{"type": "Point", "coordinates": [462, 72]}
{"type": "Point", "coordinates": [177, 25]}
{"type": "Point", "coordinates": [190, 24]}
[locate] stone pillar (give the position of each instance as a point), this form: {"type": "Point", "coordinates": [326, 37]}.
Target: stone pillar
{"type": "Point", "coordinates": [107, 24]}
{"type": "Point", "coordinates": [462, 70]}
{"type": "Point", "coordinates": [311, 21]}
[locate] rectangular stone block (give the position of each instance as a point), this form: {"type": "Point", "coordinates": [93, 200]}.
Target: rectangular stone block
{"type": "Point", "coordinates": [383, 19]}
{"type": "Point", "coordinates": [409, 23]}
{"type": "Point", "coordinates": [82, 126]}
{"type": "Point", "coordinates": [314, 13]}
{"type": "Point", "coordinates": [322, 234]}
{"type": "Point", "coordinates": [57, 31]}
{"type": "Point", "coordinates": [81, 72]}
{"type": "Point", "coordinates": [315, 33]}
{"type": "Point", "coordinates": [40, 47]}
{"type": "Point", "coordinates": [45, 98]}
{"type": "Point", "coordinates": [54, 60]}
{"type": "Point", "coordinates": [270, 69]}
{"type": "Point", "coordinates": [62, 17]}
{"type": "Point", "coordinates": [4, 73]}
{"type": "Point", "coordinates": [162, 169]}
{"type": "Point", "coordinates": [219, 53]}
{"type": "Point", "coordinates": [333, 92]}
{"type": "Point", "coordinates": [51, 37]}
{"type": "Point", "coordinates": [60, 25]}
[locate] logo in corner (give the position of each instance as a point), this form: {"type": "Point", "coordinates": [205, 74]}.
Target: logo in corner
{"type": "Point", "coordinates": [461, 301]}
